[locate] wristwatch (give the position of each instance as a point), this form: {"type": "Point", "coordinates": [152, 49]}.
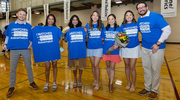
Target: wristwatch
{"type": "Point", "coordinates": [158, 44]}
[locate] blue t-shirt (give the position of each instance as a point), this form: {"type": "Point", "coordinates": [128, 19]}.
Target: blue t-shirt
{"type": "Point", "coordinates": [95, 37]}
{"type": "Point", "coordinates": [46, 43]}
{"type": "Point", "coordinates": [150, 27]}
{"type": "Point", "coordinates": [19, 35]}
{"type": "Point", "coordinates": [76, 43]}
{"type": "Point", "coordinates": [131, 30]}
{"type": "Point", "coordinates": [109, 38]}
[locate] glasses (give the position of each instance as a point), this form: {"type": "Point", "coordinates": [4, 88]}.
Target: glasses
{"type": "Point", "coordinates": [141, 7]}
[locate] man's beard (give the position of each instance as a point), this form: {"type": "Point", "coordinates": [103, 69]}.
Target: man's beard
{"type": "Point", "coordinates": [144, 13]}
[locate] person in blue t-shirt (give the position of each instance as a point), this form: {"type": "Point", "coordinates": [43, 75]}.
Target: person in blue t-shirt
{"type": "Point", "coordinates": [77, 48]}
{"type": "Point", "coordinates": [95, 45]}
{"type": "Point", "coordinates": [108, 34]}
{"type": "Point", "coordinates": [155, 30]}
{"type": "Point", "coordinates": [49, 37]}
{"type": "Point", "coordinates": [132, 50]}
{"type": "Point", "coordinates": [18, 35]}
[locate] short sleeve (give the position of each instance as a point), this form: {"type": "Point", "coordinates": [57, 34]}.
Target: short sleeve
{"type": "Point", "coordinates": [161, 22]}
{"type": "Point", "coordinates": [137, 23]}
{"type": "Point", "coordinates": [7, 31]}
{"type": "Point", "coordinates": [103, 26]}
{"type": "Point", "coordinates": [103, 33]}
{"type": "Point", "coordinates": [30, 36]}
{"type": "Point", "coordinates": [118, 29]}
{"type": "Point", "coordinates": [121, 28]}
{"type": "Point", "coordinates": [84, 33]}
{"type": "Point", "coordinates": [59, 33]}
{"type": "Point", "coordinates": [87, 26]}
{"type": "Point", "coordinates": [67, 37]}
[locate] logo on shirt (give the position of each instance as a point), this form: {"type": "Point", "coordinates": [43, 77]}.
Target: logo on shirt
{"type": "Point", "coordinates": [76, 37]}
{"type": "Point", "coordinates": [44, 37]}
{"type": "Point", "coordinates": [110, 35]}
{"type": "Point", "coordinates": [19, 33]}
{"type": "Point", "coordinates": [95, 33]}
{"type": "Point", "coordinates": [131, 31]}
{"type": "Point", "coordinates": [144, 27]}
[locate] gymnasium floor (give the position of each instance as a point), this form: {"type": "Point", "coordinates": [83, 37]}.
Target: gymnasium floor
{"type": "Point", "coordinates": [66, 91]}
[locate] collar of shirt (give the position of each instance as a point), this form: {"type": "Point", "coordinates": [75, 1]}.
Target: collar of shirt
{"type": "Point", "coordinates": [146, 15]}
{"type": "Point", "coordinates": [23, 22]}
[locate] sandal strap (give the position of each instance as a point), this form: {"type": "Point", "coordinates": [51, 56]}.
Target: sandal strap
{"type": "Point", "coordinates": [54, 84]}
{"type": "Point", "coordinates": [46, 88]}
{"type": "Point", "coordinates": [79, 84]}
{"type": "Point", "coordinates": [75, 84]}
{"type": "Point", "coordinates": [46, 85]}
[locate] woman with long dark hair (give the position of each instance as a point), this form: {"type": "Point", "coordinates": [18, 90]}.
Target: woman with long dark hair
{"type": "Point", "coordinates": [132, 51]}
{"type": "Point", "coordinates": [109, 39]}
{"type": "Point", "coordinates": [95, 45]}
{"type": "Point", "coordinates": [46, 47]}
{"type": "Point", "coordinates": [77, 48]}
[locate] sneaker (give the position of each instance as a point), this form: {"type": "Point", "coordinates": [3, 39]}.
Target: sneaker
{"type": "Point", "coordinates": [33, 86]}
{"type": "Point", "coordinates": [153, 95]}
{"type": "Point", "coordinates": [10, 92]}
{"type": "Point", "coordinates": [144, 92]}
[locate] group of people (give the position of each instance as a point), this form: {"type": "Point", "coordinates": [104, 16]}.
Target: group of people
{"type": "Point", "coordinates": [155, 30]}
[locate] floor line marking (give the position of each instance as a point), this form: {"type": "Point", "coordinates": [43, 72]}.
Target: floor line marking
{"type": "Point", "coordinates": [172, 81]}
{"type": "Point", "coordinates": [57, 84]}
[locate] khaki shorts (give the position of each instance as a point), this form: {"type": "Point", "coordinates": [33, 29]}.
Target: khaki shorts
{"type": "Point", "coordinates": [75, 64]}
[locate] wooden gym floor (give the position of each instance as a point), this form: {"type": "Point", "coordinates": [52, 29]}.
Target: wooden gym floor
{"type": "Point", "coordinates": [66, 91]}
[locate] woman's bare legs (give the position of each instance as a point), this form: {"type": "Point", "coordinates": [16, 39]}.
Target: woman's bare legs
{"type": "Point", "coordinates": [127, 71]}
{"type": "Point", "coordinates": [133, 73]}
{"type": "Point", "coordinates": [96, 72]}
{"type": "Point", "coordinates": [111, 74]}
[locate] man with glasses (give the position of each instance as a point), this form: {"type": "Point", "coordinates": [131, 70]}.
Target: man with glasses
{"type": "Point", "coordinates": [155, 30]}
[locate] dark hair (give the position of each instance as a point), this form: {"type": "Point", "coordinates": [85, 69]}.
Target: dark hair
{"type": "Point", "coordinates": [140, 3]}
{"type": "Point", "coordinates": [41, 24]}
{"type": "Point", "coordinates": [115, 24]}
{"type": "Point", "coordinates": [61, 28]}
{"type": "Point", "coordinates": [70, 22]}
{"type": "Point", "coordinates": [125, 21]}
{"type": "Point", "coordinates": [99, 26]}
{"type": "Point", "coordinates": [21, 9]}
{"type": "Point", "coordinates": [54, 24]}
{"type": "Point", "coordinates": [6, 27]}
